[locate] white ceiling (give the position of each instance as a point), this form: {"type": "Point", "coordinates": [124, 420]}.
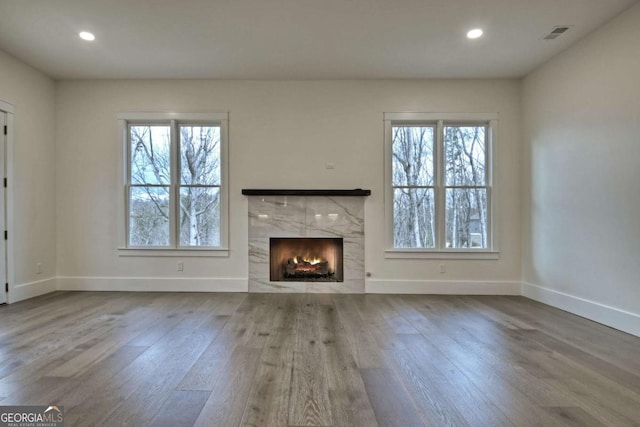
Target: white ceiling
{"type": "Point", "coordinates": [294, 39]}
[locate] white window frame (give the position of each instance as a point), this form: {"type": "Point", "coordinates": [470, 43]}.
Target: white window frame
{"type": "Point", "coordinates": [173, 120]}
{"type": "Point", "coordinates": [439, 121]}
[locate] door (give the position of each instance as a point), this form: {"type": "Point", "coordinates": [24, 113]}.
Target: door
{"type": "Point", "coordinates": [3, 210]}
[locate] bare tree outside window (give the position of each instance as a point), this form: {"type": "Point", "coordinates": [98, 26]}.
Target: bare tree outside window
{"type": "Point", "coordinates": [465, 186]}
{"type": "Point", "coordinates": [150, 183]}
{"type": "Point", "coordinates": [439, 192]}
{"type": "Point", "coordinates": [199, 186]}
{"type": "Point", "coordinates": [195, 195]}
{"type": "Point", "coordinates": [413, 186]}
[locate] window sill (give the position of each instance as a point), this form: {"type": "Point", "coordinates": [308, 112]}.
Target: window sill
{"type": "Point", "coordinates": [427, 254]}
{"type": "Point", "coordinates": [183, 253]}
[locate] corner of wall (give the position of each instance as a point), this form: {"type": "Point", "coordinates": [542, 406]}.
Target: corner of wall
{"type": "Point", "coordinates": [33, 289]}
{"type": "Point", "coordinates": [610, 316]}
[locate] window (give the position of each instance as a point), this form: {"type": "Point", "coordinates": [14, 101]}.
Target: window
{"type": "Point", "coordinates": [174, 181]}
{"type": "Point", "coordinates": [439, 182]}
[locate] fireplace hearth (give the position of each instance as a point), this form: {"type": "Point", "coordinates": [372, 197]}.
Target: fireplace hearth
{"type": "Point", "coordinates": [306, 259]}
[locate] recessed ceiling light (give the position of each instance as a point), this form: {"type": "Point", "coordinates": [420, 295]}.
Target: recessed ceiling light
{"type": "Point", "coordinates": [474, 34]}
{"type": "Point", "coordinates": [85, 35]}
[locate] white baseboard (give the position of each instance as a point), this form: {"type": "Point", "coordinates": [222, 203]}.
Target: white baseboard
{"type": "Point", "coordinates": [152, 284]}
{"type": "Point", "coordinates": [446, 287]}
{"type": "Point", "coordinates": [610, 316]}
{"type": "Point", "coordinates": [25, 291]}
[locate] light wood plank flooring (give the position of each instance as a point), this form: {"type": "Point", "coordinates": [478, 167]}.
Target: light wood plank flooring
{"type": "Point", "coordinates": [184, 359]}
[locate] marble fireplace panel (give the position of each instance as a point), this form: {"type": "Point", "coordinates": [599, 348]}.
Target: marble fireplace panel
{"type": "Point", "coordinates": [306, 216]}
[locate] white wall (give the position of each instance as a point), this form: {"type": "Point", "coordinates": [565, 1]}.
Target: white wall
{"type": "Point", "coordinates": [33, 182]}
{"type": "Point", "coordinates": [582, 177]}
{"type": "Point", "coordinates": [281, 136]}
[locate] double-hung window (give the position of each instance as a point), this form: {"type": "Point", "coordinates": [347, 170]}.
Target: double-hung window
{"type": "Point", "coordinates": [439, 183]}
{"type": "Point", "coordinates": [174, 171]}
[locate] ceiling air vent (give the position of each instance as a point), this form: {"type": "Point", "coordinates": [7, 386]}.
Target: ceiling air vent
{"type": "Point", "coordinates": [557, 32]}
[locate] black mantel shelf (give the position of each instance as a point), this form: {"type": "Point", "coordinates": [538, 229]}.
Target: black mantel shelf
{"type": "Point", "coordinates": [331, 193]}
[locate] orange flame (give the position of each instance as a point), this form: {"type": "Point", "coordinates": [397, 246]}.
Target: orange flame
{"type": "Point", "coordinates": [312, 261]}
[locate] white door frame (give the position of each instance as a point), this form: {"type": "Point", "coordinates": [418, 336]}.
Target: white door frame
{"type": "Point", "coordinates": [9, 109]}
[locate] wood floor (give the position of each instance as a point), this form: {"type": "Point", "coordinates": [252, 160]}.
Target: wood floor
{"type": "Point", "coordinates": [178, 359]}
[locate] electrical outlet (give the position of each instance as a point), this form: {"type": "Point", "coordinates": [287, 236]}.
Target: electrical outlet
{"type": "Point", "coordinates": [443, 269]}
{"type": "Point", "coordinates": [180, 266]}
{"type": "Point", "coordinates": [39, 268]}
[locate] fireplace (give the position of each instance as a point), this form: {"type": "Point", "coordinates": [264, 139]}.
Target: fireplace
{"type": "Point", "coordinates": [306, 259]}
{"type": "Point", "coordinates": [306, 214]}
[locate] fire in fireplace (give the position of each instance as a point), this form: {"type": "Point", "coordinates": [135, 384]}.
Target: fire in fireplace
{"type": "Point", "coordinates": [306, 259]}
